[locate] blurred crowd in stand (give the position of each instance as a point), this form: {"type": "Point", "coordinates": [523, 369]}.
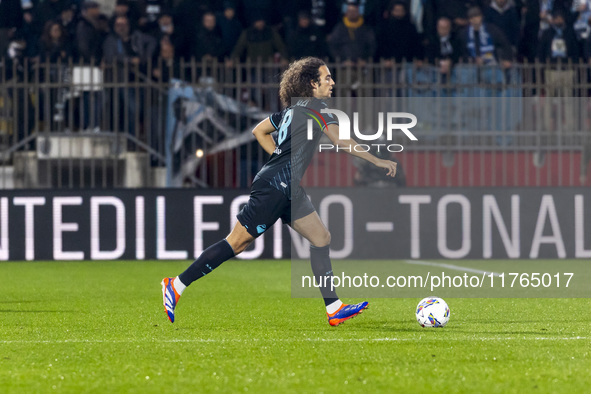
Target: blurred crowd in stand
{"type": "Point", "coordinates": [351, 31]}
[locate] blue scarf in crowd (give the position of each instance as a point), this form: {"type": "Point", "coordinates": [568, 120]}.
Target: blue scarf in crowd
{"type": "Point", "coordinates": [558, 45]}
{"type": "Point", "coordinates": [487, 48]}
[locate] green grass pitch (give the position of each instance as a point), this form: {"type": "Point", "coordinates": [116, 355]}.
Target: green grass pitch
{"type": "Point", "coordinates": [100, 327]}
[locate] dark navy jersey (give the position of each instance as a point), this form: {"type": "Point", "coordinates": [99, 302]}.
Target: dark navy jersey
{"type": "Point", "coordinates": [294, 148]}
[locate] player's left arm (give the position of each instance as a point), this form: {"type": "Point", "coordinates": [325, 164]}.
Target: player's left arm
{"type": "Point", "coordinates": [262, 133]}
{"type": "Point", "coordinates": [332, 131]}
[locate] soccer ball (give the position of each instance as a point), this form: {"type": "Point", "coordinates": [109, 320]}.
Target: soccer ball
{"type": "Point", "coordinates": [432, 312]}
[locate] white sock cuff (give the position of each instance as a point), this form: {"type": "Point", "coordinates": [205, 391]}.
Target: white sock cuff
{"type": "Point", "coordinates": [332, 308]}
{"type": "Point", "coordinates": [178, 285]}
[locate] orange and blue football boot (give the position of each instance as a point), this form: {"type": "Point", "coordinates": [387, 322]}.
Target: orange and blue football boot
{"type": "Point", "coordinates": [170, 297]}
{"type": "Point", "coordinates": [345, 312]}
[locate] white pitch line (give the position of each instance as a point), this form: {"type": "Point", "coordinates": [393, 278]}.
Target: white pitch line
{"type": "Point", "coordinates": [451, 267]}
{"type": "Point", "coordinates": [238, 340]}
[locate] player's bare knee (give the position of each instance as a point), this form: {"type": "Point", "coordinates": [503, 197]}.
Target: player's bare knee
{"type": "Point", "coordinates": [327, 237]}
{"type": "Point", "coordinates": [240, 248]}
{"type": "Point", "coordinates": [238, 245]}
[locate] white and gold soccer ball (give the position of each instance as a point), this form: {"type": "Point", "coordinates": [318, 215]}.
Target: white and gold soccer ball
{"type": "Point", "coordinates": [432, 312]}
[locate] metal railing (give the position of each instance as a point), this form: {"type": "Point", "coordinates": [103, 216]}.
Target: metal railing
{"type": "Point", "coordinates": [177, 123]}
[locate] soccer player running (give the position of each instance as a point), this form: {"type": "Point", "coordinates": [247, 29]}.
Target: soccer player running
{"type": "Point", "coordinates": [276, 191]}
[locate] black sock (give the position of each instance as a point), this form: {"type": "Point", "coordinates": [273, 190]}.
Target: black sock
{"type": "Point", "coordinates": [210, 259]}
{"type": "Point", "coordinates": [322, 267]}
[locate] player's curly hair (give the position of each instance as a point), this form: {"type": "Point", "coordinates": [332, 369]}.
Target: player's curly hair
{"type": "Point", "coordinates": [296, 80]}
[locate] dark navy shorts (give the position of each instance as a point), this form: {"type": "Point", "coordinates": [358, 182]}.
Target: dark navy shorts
{"type": "Point", "coordinates": [267, 204]}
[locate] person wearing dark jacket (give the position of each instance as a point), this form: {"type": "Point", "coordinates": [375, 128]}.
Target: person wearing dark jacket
{"type": "Point", "coordinates": [307, 39]}
{"type": "Point", "coordinates": [126, 46]}
{"type": "Point", "coordinates": [166, 65]}
{"type": "Point", "coordinates": [55, 50]}
{"type": "Point", "coordinates": [230, 27]}
{"type": "Point", "coordinates": [558, 43]}
{"type": "Point", "coordinates": [528, 46]}
{"type": "Point", "coordinates": [352, 40]}
{"type": "Point", "coordinates": [68, 21]}
{"type": "Point", "coordinates": [11, 19]}
{"type": "Point", "coordinates": [483, 43]}
{"type": "Point", "coordinates": [397, 38]}
{"type": "Point", "coordinates": [259, 42]}
{"type": "Point", "coordinates": [133, 49]}
{"type": "Point", "coordinates": [209, 43]}
{"type": "Point", "coordinates": [89, 38]}
{"type": "Point", "coordinates": [503, 14]}
{"type": "Point", "coordinates": [443, 50]}
{"type": "Point", "coordinates": [54, 44]}
{"type": "Point", "coordinates": [166, 28]}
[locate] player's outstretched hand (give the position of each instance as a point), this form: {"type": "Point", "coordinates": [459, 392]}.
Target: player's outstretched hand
{"type": "Point", "coordinates": [388, 165]}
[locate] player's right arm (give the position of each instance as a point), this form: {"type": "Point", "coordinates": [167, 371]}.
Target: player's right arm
{"type": "Point", "coordinates": [262, 133]}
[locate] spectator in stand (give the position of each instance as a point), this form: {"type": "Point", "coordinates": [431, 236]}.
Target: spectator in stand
{"type": "Point", "coordinates": [483, 43]}
{"type": "Point", "coordinates": [127, 46]}
{"type": "Point", "coordinates": [444, 50]}
{"type": "Point", "coordinates": [165, 28]}
{"type": "Point", "coordinates": [67, 20]}
{"type": "Point", "coordinates": [15, 67]}
{"type": "Point", "coordinates": [11, 18]}
{"type": "Point", "coordinates": [54, 44]}
{"type": "Point", "coordinates": [209, 44]}
{"type": "Point", "coordinates": [528, 47]}
{"type": "Point", "coordinates": [397, 24]}
{"type": "Point", "coordinates": [186, 15]}
{"type": "Point", "coordinates": [133, 49]}
{"type": "Point", "coordinates": [259, 42]}
{"type": "Point", "coordinates": [55, 50]}
{"type": "Point", "coordinates": [307, 39]}
{"type": "Point", "coordinates": [166, 64]}
{"type": "Point", "coordinates": [46, 11]}
{"type": "Point", "coordinates": [372, 11]}
{"type": "Point", "coordinates": [89, 37]}
{"type": "Point", "coordinates": [558, 42]}
{"type": "Point", "coordinates": [15, 57]}
{"type": "Point", "coordinates": [230, 27]}
{"type": "Point", "coordinates": [166, 67]}
{"type": "Point", "coordinates": [503, 14]}
{"type": "Point", "coordinates": [352, 40]}
{"type": "Point", "coordinates": [31, 33]}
